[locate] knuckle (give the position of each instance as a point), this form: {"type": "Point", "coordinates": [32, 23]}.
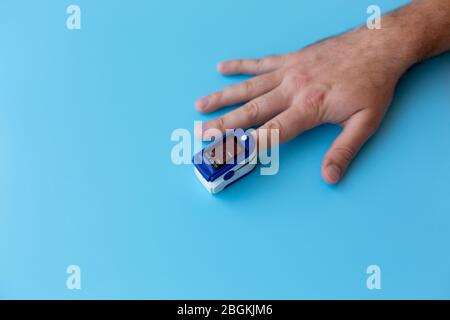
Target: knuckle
{"type": "Point", "coordinates": [251, 111]}
{"type": "Point", "coordinates": [219, 124]}
{"type": "Point", "coordinates": [249, 86]}
{"type": "Point", "coordinates": [313, 101]}
{"type": "Point", "coordinates": [233, 65]}
{"type": "Point", "coordinates": [276, 58]}
{"type": "Point", "coordinates": [281, 59]}
{"type": "Point", "coordinates": [218, 96]}
{"type": "Point", "coordinates": [295, 80]}
{"type": "Point", "coordinates": [276, 126]}
{"type": "Point", "coordinates": [346, 153]}
{"type": "Point", "coordinates": [298, 113]}
{"type": "Point", "coordinates": [259, 64]}
{"type": "Point", "coordinates": [273, 124]}
{"type": "Point", "coordinates": [263, 64]}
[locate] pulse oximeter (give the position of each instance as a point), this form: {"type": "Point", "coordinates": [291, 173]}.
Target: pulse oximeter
{"type": "Point", "coordinates": [226, 160]}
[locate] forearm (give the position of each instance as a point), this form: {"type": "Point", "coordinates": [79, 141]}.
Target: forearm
{"type": "Point", "coordinates": [420, 30]}
{"type": "Point", "coordinates": [408, 35]}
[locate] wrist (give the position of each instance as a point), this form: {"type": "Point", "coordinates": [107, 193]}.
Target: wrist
{"type": "Point", "coordinates": [420, 30]}
{"type": "Point", "coordinates": [411, 34]}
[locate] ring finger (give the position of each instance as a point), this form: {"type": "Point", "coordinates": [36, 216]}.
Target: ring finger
{"type": "Point", "coordinates": [237, 93]}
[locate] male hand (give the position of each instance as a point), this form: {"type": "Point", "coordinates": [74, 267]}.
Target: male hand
{"type": "Point", "coordinates": [348, 80]}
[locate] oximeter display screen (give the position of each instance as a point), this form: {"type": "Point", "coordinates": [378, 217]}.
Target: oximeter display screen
{"type": "Point", "coordinates": [224, 152]}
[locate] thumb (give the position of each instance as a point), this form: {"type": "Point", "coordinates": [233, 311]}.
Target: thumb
{"type": "Point", "coordinates": [357, 130]}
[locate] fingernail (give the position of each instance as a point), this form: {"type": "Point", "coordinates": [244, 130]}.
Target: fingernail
{"type": "Point", "coordinates": [333, 173]}
{"type": "Point", "coordinates": [202, 103]}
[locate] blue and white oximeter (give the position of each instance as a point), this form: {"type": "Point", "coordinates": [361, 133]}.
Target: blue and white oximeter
{"type": "Point", "coordinates": [226, 160]}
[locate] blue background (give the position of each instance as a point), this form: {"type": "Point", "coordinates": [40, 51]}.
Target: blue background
{"type": "Point", "coordinates": [86, 176]}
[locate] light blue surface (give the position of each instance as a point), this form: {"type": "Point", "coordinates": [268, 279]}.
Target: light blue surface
{"type": "Point", "coordinates": [86, 176]}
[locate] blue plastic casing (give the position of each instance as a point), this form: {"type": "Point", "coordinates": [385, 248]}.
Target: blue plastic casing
{"type": "Point", "coordinates": [209, 172]}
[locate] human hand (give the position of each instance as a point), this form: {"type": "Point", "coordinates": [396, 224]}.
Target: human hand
{"type": "Point", "coordinates": [348, 80]}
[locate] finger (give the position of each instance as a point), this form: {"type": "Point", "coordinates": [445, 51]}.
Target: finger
{"type": "Point", "coordinates": [251, 66]}
{"type": "Point", "coordinates": [356, 132]}
{"type": "Point", "coordinates": [239, 92]}
{"type": "Point", "coordinates": [289, 124]}
{"type": "Point", "coordinates": [253, 113]}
